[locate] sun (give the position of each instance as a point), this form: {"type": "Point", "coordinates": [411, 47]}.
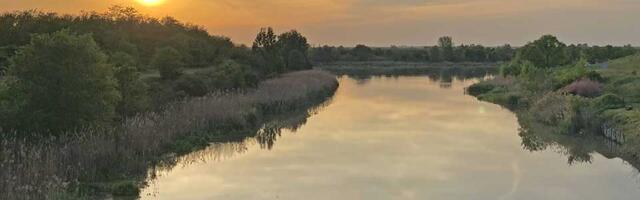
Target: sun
{"type": "Point", "coordinates": [151, 2]}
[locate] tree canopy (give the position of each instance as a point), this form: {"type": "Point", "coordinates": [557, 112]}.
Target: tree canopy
{"type": "Point", "coordinates": [59, 81]}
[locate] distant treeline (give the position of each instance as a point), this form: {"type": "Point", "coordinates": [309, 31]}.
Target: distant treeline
{"type": "Point", "coordinates": [66, 71]}
{"type": "Point", "coordinates": [447, 51]}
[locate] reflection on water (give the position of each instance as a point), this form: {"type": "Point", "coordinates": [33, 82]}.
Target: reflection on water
{"type": "Point", "coordinates": [399, 138]}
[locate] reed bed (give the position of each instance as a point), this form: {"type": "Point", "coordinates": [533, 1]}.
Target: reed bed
{"type": "Point", "coordinates": [71, 163]}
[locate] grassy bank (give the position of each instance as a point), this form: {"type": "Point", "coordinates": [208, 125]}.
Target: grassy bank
{"type": "Point", "coordinates": [116, 160]}
{"type": "Point", "coordinates": [577, 101]}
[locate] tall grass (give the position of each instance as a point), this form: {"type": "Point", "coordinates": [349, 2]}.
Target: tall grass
{"type": "Point", "coordinates": [36, 170]}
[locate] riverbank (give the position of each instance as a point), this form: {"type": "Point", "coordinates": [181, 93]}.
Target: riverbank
{"type": "Point", "coordinates": [389, 68]}
{"type": "Point", "coordinates": [603, 101]}
{"type": "Point", "coordinates": [116, 161]}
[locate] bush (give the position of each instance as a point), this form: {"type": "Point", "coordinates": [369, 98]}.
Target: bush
{"type": "Point", "coordinates": [609, 101]}
{"type": "Point", "coordinates": [585, 88]}
{"type": "Point", "coordinates": [61, 81]}
{"type": "Point", "coordinates": [570, 74]}
{"type": "Point", "coordinates": [480, 88]}
{"type": "Point", "coordinates": [169, 63]}
{"type": "Point", "coordinates": [192, 85]}
{"type": "Point", "coordinates": [551, 109]}
{"type": "Point", "coordinates": [132, 89]}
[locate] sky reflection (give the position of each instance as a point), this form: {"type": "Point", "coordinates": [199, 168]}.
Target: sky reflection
{"type": "Point", "coordinates": [398, 138]}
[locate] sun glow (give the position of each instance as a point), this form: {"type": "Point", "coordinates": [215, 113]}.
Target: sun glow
{"type": "Point", "coordinates": [151, 2]}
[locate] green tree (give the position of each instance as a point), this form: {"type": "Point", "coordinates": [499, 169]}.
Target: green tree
{"type": "Point", "coordinates": [132, 89]}
{"type": "Point", "coordinates": [296, 60]}
{"type": "Point", "coordinates": [362, 52]}
{"type": "Point", "coordinates": [294, 49]}
{"type": "Point", "coordinates": [434, 54]}
{"type": "Point", "coordinates": [60, 81]}
{"type": "Point", "coordinates": [169, 63]}
{"type": "Point", "coordinates": [265, 47]}
{"type": "Point", "coordinates": [545, 52]}
{"type": "Point", "coordinates": [446, 45]}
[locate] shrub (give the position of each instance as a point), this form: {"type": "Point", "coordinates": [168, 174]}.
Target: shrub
{"type": "Point", "coordinates": [480, 88]}
{"type": "Point", "coordinates": [192, 85]}
{"type": "Point", "coordinates": [132, 89]}
{"type": "Point", "coordinates": [570, 74]}
{"type": "Point", "coordinates": [62, 81]}
{"type": "Point", "coordinates": [585, 88]}
{"type": "Point", "coordinates": [609, 101]}
{"type": "Point", "coordinates": [169, 63]}
{"type": "Point", "coordinates": [551, 109]}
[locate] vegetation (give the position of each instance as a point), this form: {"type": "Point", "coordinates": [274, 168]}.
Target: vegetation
{"type": "Point", "coordinates": [79, 93]}
{"type": "Point", "coordinates": [58, 82]}
{"type": "Point", "coordinates": [63, 72]}
{"type": "Point", "coordinates": [549, 86]}
{"type": "Point", "coordinates": [445, 51]}
{"type": "Point", "coordinates": [84, 165]}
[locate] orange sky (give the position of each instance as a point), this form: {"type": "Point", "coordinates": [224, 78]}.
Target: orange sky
{"type": "Point", "coordinates": [392, 22]}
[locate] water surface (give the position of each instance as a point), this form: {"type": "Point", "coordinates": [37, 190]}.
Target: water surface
{"type": "Point", "coordinates": [395, 138]}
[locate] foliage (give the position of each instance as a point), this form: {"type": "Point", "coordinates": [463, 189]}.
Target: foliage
{"type": "Point", "coordinates": [563, 76]}
{"type": "Point", "coordinates": [480, 88]}
{"type": "Point", "coordinates": [546, 52]}
{"type": "Point", "coordinates": [169, 62]}
{"type": "Point", "coordinates": [609, 101]}
{"type": "Point", "coordinates": [132, 89]}
{"type": "Point", "coordinates": [293, 50]}
{"type": "Point", "coordinates": [265, 47]}
{"type": "Point", "coordinates": [446, 45]}
{"type": "Point", "coordinates": [121, 29]}
{"type": "Point", "coordinates": [56, 162]}
{"type": "Point", "coordinates": [461, 53]}
{"type": "Point", "coordinates": [362, 52]}
{"type": "Point", "coordinates": [61, 81]}
{"type": "Point", "coordinates": [285, 52]}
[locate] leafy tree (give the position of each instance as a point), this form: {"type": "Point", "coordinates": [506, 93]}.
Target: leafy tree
{"type": "Point", "coordinates": [60, 81]}
{"type": "Point", "coordinates": [296, 60]}
{"type": "Point", "coordinates": [231, 75]}
{"type": "Point", "coordinates": [446, 45]}
{"type": "Point", "coordinates": [362, 52]}
{"type": "Point", "coordinates": [434, 54]}
{"type": "Point", "coordinates": [324, 54]}
{"type": "Point", "coordinates": [132, 89]}
{"type": "Point", "coordinates": [169, 62]}
{"type": "Point", "coordinates": [294, 44]}
{"type": "Point", "coordinates": [265, 47]}
{"type": "Point", "coordinates": [545, 52]}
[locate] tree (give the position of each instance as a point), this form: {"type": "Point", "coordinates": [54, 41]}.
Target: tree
{"type": "Point", "coordinates": [265, 47]}
{"type": "Point", "coordinates": [294, 44]}
{"type": "Point", "coordinates": [434, 54]}
{"type": "Point", "coordinates": [545, 52]}
{"type": "Point", "coordinates": [362, 52]}
{"type": "Point", "coordinates": [446, 45]}
{"type": "Point", "coordinates": [60, 81]}
{"type": "Point", "coordinates": [132, 89]}
{"type": "Point", "coordinates": [169, 62]}
{"type": "Point", "coordinates": [297, 60]}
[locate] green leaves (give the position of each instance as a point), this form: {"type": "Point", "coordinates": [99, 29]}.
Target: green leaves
{"type": "Point", "coordinates": [62, 81]}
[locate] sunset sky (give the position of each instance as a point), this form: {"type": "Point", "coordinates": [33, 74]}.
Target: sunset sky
{"type": "Point", "coordinates": [390, 22]}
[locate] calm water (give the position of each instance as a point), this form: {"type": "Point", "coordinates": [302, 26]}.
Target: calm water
{"type": "Point", "coordinates": [396, 138]}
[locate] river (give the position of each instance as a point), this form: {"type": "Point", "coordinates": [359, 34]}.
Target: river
{"type": "Point", "coordinates": [407, 137]}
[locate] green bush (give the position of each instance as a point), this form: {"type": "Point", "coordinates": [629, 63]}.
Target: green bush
{"type": "Point", "coordinates": [169, 62]}
{"type": "Point", "coordinates": [608, 101]}
{"type": "Point", "coordinates": [125, 189]}
{"type": "Point", "coordinates": [480, 88]}
{"type": "Point", "coordinates": [61, 81]}
{"type": "Point", "coordinates": [569, 74]}
{"type": "Point", "coordinates": [192, 85]}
